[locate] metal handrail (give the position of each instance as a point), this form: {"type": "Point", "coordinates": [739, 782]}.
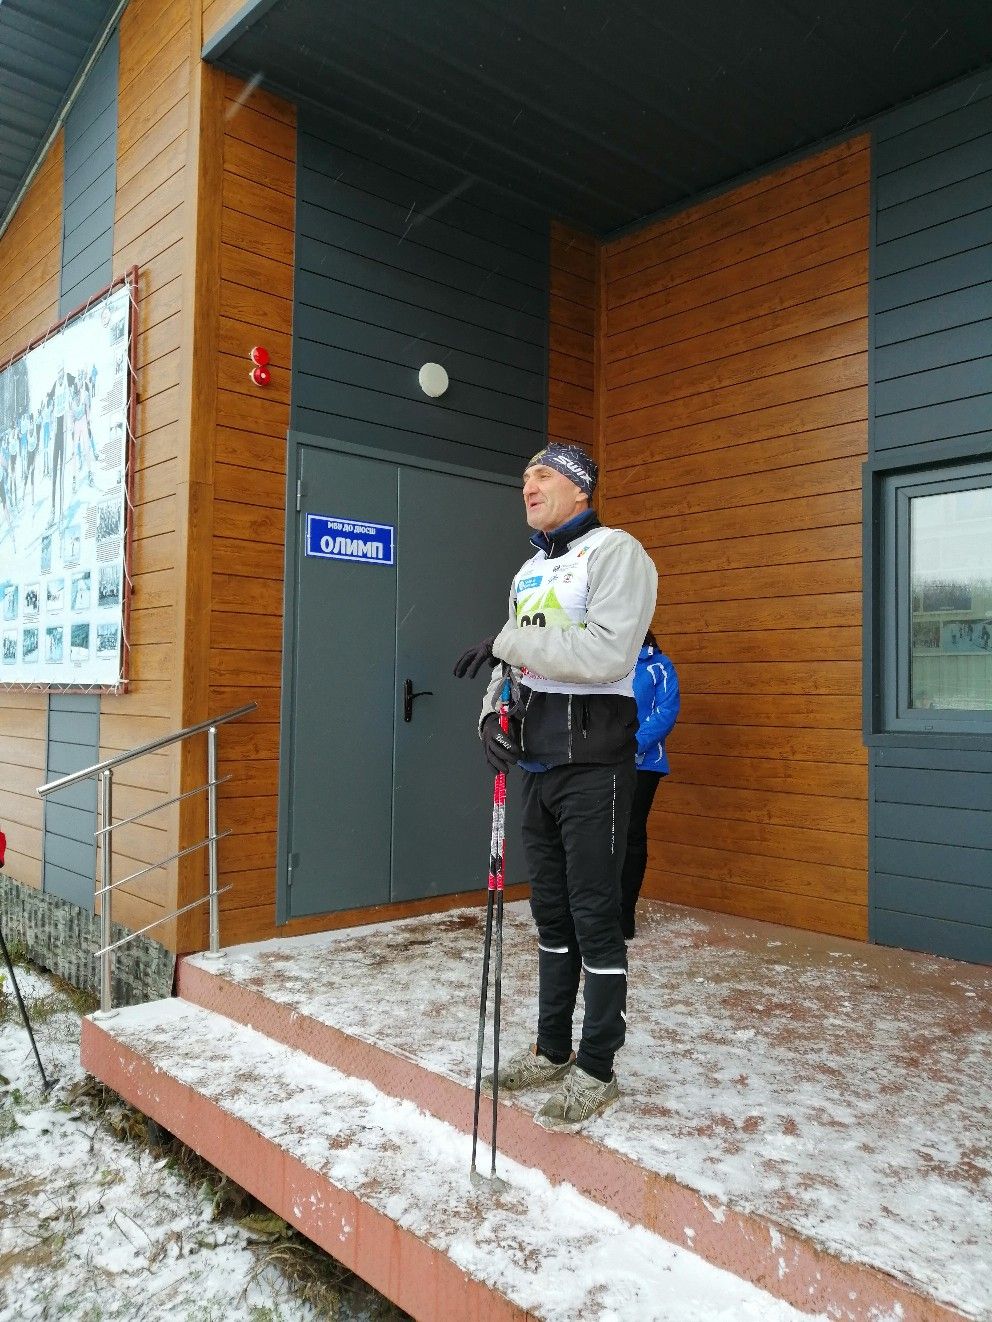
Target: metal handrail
{"type": "Point", "coordinates": [157, 807]}
{"type": "Point", "coordinates": [154, 867]}
{"type": "Point", "coordinates": [104, 772]}
{"type": "Point", "coordinates": [153, 745]}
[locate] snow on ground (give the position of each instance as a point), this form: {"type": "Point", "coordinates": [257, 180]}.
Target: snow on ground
{"type": "Point", "coordinates": [96, 1227]}
{"type": "Point", "coordinates": [839, 1089]}
{"type": "Point", "coordinates": [547, 1248]}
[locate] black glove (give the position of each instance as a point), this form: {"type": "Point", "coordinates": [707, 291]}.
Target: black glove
{"type": "Point", "coordinates": [474, 658]}
{"type": "Point", "coordinates": [502, 747]}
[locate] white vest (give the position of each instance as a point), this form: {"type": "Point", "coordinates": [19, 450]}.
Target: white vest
{"type": "Point", "coordinates": [552, 594]}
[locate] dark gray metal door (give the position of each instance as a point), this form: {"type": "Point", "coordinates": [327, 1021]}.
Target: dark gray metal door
{"type": "Point", "coordinates": [385, 808]}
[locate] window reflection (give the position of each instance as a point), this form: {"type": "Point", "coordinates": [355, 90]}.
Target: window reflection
{"type": "Point", "coordinates": [951, 580]}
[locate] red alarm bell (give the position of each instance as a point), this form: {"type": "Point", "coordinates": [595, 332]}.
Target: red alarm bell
{"type": "Point", "coordinates": [259, 356]}
{"type": "Point", "coordinates": [260, 375]}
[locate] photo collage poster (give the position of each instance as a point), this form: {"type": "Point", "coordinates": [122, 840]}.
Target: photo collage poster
{"type": "Point", "coordinates": [63, 454]}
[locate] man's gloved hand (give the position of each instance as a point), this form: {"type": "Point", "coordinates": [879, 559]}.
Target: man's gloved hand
{"type": "Point", "coordinates": [502, 746]}
{"type": "Point", "coordinates": [474, 658]}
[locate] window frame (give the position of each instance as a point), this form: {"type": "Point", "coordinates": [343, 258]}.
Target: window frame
{"type": "Point", "coordinates": [898, 490]}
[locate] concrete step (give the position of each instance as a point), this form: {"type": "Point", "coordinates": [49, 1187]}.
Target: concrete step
{"type": "Point", "coordinates": [385, 1188]}
{"type": "Point", "coordinates": [253, 989]}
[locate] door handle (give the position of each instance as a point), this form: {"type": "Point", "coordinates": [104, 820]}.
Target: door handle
{"type": "Point", "coordinates": [408, 697]}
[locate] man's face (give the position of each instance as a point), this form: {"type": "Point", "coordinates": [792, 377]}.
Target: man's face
{"type": "Point", "coordinates": [550, 498]}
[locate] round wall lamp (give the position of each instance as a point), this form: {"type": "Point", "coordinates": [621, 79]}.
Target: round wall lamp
{"type": "Point", "coordinates": [433, 379]}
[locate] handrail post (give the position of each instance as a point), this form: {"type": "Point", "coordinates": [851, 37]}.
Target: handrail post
{"type": "Point", "coordinates": [214, 907]}
{"type": "Point", "coordinates": [107, 860]}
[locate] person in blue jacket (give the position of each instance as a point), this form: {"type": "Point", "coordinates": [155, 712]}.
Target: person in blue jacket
{"type": "Point", "coordinates": [656, 690]}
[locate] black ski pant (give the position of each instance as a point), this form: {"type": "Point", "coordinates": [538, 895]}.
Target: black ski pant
{"type": "Point", "coordinates": [636, 859]}
{"type": "Point", "coordinates": [574, 827]}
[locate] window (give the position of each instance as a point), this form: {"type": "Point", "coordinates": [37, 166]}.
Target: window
{"type": "Point", "coordinates": [937, 600]}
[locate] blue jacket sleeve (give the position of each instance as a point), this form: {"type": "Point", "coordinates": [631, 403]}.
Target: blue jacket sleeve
{"type": "Point", "coordinates": [657, 726]}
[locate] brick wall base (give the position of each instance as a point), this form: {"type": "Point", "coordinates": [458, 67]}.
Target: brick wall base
{"type": "Point", "coordinates": [62, 938]}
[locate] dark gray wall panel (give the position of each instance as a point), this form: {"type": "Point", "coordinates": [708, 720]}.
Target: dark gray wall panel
{"type": "Point", "coordinates": [403, 260]}
{"type": "Point", "coordinates": [948, 167]}
{"type": "Point", "coordinates": [922, 353]}
{"type": "Point", "coordinates": [937, 136]}
{"type": "Point", "coordinates": [89, 183]}
{"type": "Point", "coordinates": [963, 307]}
{"type": "Point", "coordinates": [330, 276]}
{"type": "Point", "coordinates": [473, 235]}
{"type": "Point", "coordinates": [380, 375]}
{"type": "Point", "coordinates": [935, 899]}
{"type": "Point", "coordinates": [931, 279]}
{"type": "Point", "coordinates": [921, 426]}
{"type": "Point", "coordinates": [87, 153]}
{"type": "Point", "coordinates": [940, 385]}
{"type": "Point", "coordinates": [959, 199]}
{"type": "Point", "coordinates": [934, 825]}
{"type": "Point", "coordinates": [392, 323]}
{"type": "Point", "coordinates": [937, 759]}
{"type": "Point", "coordinates": [475, 361]}
{"type": "Point", "coordinates": [946, 789]}
{"type": "Point", "coordinates": [940, 862]}
{"type": "Point", "coordinates": [931, 402]}
{"type": "Point", "coordinates": [939, 936]}
{"type": "Point", "coordinates": [944, 240]}
{"type": "Point", "coordinates": [71, 816]}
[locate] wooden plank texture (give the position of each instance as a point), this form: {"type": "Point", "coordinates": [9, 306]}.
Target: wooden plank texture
{"type": "Point", "coordinates": [244, 657]}
{"type": "Point", "coordinates": [733, 394]}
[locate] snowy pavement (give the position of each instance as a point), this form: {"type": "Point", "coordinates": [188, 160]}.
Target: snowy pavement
{"type": "Point", "coordinates": [842, 1090]}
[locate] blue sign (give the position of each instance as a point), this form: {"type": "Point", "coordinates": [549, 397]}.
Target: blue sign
{"type": "Point", "coordinates": [350, 539]}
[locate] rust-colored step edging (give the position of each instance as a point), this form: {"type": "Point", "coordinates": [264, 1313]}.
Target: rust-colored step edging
{"type": "Point", "coordinates": [750, 1246]}
{"type": "Point", "coordinates": [394, 1261]}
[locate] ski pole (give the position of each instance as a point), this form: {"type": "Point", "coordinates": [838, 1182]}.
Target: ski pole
{"type": "Point", "coordinates": [499, 806]}
{"type": "Point", "coordinates": [495, 889]}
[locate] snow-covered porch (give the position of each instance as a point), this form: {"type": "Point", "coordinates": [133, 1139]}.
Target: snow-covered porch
{"type": "Point", "coordinates": [813, 1115]}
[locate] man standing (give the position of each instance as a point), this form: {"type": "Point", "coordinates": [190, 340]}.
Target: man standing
{"type": "Point", "coordinates": [579, 609]}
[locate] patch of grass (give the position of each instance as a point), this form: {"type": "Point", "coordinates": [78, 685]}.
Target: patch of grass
{"type": "Point", "coordinates": [63, 998]}
{"type": "Point", "coordinates": [310, 1274]}
{"type": "Point", "coordinates": [44, 1254]}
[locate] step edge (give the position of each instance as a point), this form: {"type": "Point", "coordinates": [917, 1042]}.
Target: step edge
{"type": "Point", "coordinates": [233, 1145]}
{"type": "Point", "coordinates": [661, 1204]}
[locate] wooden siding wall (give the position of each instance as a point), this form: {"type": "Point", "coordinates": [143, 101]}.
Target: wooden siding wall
{"type": "Point", "coordinates": [154, 107]}
{"type": "Point", "coordinates": [218, 12]}
{"type": "Point", "coordinates": [249, 478]}
{"type": "Point", "coordinates": [734, 410]}
{"type": "Point", "coordinates": [932, 402]}
{"type": "Point", "coordinates": [30, 261]}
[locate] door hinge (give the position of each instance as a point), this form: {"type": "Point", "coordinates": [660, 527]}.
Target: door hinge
{"type": "Point", "coordinates": [292, 861]}
{"type": "Point", "coordinates": [299, 493]}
